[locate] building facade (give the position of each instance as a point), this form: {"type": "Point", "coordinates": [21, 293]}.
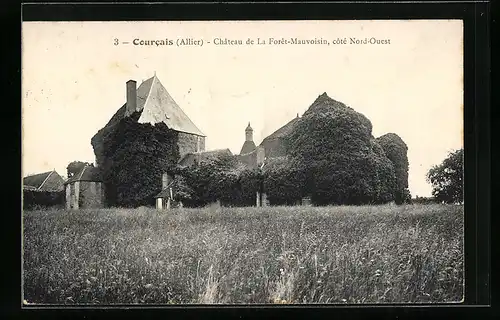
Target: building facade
{"type": "Point", "coordinates": [151, 103]}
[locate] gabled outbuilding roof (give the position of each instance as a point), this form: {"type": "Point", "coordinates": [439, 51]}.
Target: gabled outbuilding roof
{"type": "Point", "coordinates": [40, 181]}
{"type": "Point", "coordinates": [88, 173]}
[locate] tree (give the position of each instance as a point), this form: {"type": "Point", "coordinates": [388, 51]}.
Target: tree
{"type": "Point", "coordinates": [340, 160]}
{"type": "Point", "coordinates": [447, 178]}
{"type": "Point", "coordinates": [397, 151]}
{"type": "Point", "coordinates": [75, 167]}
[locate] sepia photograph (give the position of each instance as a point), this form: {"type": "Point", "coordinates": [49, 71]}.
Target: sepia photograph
{"type": "Point", "coordinates": [242, 162]}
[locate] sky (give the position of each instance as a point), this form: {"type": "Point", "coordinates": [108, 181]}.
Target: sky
{"type": "Point", "coordinates": [73, 81]}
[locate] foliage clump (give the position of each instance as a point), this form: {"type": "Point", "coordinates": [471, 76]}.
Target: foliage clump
{"type": "Point", "coordinates": [397, 151]}
{"type": "Point", "coordinates": [134, 157]}
{"type": "Point", "coordinates": [447, 178]}
{"type": "Point", "coordinates": [282, 181]}
{"type": "Point", "coordinates": [338, 157]}
{"type": "Point", "coordinates": [33, 199]}
{"type": "Point", "coordinates": [75, 167]}
{"type": "Point", "coordinates": [222, 178]}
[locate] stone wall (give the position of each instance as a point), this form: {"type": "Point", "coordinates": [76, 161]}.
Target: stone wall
{"type": "Point", "coordinates": [90, 195]}
{"type": "Point", "coordinates": [190, 143]}
{"type": "Point", "coordinates": [68, 196]}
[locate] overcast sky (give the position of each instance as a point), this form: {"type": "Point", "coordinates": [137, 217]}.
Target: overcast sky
{"type": "Point", "coordinates": [73, 81]}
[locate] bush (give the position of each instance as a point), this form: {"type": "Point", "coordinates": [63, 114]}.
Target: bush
{"type": "Point", "coordinates": [221, 178]}
{"type": "Point", "coordinates": [284, 181]}
{"type": "Point", "coordinates": [425, 200]}
{"type": "Point", "coordinates": [42, 199]}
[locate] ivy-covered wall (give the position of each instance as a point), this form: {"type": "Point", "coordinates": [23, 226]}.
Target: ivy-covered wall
{"type": "Point", "coordinates": [132, 158]}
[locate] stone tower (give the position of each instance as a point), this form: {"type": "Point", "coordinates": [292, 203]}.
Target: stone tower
{"type": "Point", "coordinates": [248, 145]}
{"type": "Point", "coordinates": [249, 133]}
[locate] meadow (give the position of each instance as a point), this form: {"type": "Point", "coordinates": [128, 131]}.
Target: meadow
{"type": "Point", "coordinates": [286, 255]}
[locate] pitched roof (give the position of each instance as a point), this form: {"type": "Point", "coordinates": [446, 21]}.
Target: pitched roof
{"type": "Point", "coordinates": [88, 173]}
{"type": "Point", "coordinates": [36, 181]}
{"type": "Point", "coordinates": [165, 193]}
{"type": "Point", "coordinates": [283, 131]}
{"type": "Point", "coordinates": [204, 155]}
{"type": "Point", "coordinates": [156, 105]}
{"type": "Point", "coordinates": [248, 146]}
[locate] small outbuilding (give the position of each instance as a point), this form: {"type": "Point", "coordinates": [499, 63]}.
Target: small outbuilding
{"type": "Point", "coordinates": [85, 189]}
{"type": "Point", "coordinates": [47, 181]}
{"type": "Point", "coordinates": [43, 190]}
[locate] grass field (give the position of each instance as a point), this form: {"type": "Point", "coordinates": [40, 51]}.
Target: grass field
{"type": "Point", "coordinates": [371, 254]}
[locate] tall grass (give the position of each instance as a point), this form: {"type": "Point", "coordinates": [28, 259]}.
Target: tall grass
{"type": "Point", "coordinates": [371, 254]}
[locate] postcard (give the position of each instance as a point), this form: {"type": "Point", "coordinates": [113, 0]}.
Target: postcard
{"type": "Point", "coordinates": [242, 162]}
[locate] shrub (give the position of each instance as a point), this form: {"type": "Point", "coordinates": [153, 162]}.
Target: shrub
{"type": "Point", "coordinates": [39, 199]}
{"type": "Point", "coordinates": [284, 181]}
{"type": "Point", "coordinates": [221, 178]}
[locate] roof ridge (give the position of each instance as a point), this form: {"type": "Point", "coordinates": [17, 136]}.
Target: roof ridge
{"type": "Point", "coordinates": [149, 92]}
{"type": "Point", "coordinates": [37, 174]}
{"type": "Point", "coordinates": [81, 173]}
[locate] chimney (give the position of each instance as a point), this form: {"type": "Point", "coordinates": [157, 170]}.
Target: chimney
{"type": "Point", "coordinates": [131, 97]}
{"type": "Point", "coordinates": [166, 179]}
